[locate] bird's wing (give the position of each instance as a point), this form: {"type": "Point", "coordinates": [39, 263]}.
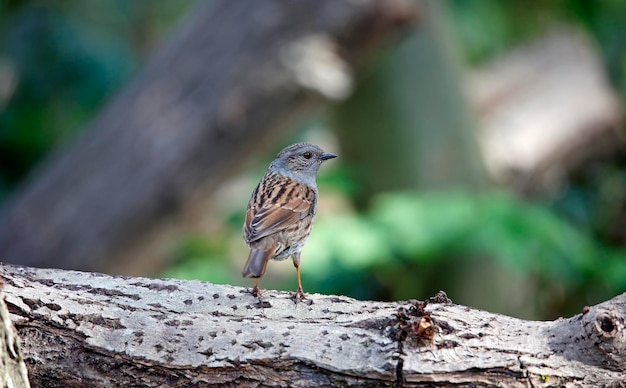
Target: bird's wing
{"type": "Point", "coordinates": [283, 207]}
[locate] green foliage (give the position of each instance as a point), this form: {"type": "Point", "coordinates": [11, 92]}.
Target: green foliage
{"type": "Point", "coordinates": [404, 233]}
{"type": "Point", "coordinates": [63, 73]}
{"type": "Point", "coordinates": [64, 60]}
{"type": "Point", "coordinates": [407, 244]}
{"type": "Point", "coordinates": [200, 257]}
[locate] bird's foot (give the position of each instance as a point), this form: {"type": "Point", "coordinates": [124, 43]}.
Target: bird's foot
{"type": "Point", "coordinates": [256, 292]}
{"type": "Point", "coordinates": [299, 296]}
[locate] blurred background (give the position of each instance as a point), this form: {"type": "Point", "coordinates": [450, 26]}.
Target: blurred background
{"type": "Point", "coordinates": [480, 153]}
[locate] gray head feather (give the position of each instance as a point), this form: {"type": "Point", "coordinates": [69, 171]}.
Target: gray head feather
{"type": "Point", "coordinates": [300, 161]}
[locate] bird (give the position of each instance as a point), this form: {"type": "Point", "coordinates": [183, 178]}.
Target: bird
{"type": "Point", "coordinates": [281, 211]}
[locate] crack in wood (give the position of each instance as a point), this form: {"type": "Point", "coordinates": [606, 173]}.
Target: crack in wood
{"type": "Point", "coordinates": [157, 286]}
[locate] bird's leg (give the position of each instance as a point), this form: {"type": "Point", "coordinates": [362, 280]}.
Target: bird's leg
{"type": "Point", "coordinates": [299, 294]}
{"type": "Point", "coordinates": [296, 263]}
{"type": "Point", "coordinates": [255, 291]}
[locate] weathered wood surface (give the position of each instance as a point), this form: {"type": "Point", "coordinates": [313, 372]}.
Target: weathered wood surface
{"type": "Point", "coordinates": [13, 373]}
{"type": "Point", "coordinates": [230, 78]}
{"type": "Point", "coordinates": [87, 329]}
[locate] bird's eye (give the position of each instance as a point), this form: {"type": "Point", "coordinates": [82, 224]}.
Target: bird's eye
{"type": "Point", "coordinates": [307, 155]}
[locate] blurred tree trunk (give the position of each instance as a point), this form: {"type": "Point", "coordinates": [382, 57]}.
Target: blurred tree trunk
{"type": "Point", "coordinates": [230, 78]}
{"type": "Point", "coordinates": [408, 125]}
{"type": "Point", "coordinates": [85, 329]}
{"type": "Point", "coordinates": [537, 127]}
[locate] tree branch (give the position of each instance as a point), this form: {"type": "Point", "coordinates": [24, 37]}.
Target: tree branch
{"type": "Point", "coordinates": [90, 329]}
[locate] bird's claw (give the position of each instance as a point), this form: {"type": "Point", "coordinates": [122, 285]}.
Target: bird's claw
{"type": "Point", "coordinates": [256, 292]}
{"type": "Point", "coordinates": [299, 295]}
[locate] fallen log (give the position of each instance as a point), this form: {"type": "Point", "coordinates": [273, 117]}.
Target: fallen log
{"type": "Point", "coordinates": [89, 329]}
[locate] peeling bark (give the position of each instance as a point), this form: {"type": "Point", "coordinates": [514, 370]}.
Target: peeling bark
{"type": "Point", "coordinates": [88, 329]}
{"type": "Point", "coordinates": [13, 372]}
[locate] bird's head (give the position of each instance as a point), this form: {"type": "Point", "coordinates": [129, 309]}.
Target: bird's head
{"type": "Point", "coordinates": [302, 158]}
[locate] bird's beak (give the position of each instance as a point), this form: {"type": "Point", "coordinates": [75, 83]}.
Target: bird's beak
{"type": "Point", "coordinates": [327, 156]}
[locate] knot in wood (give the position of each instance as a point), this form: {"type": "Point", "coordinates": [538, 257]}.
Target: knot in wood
{"type": "Point", "coordinates": [606, 325]}
{"type": "Point", "coordinates": [415, 322]}
{"type": "Point", "coordinates": [608, 337]}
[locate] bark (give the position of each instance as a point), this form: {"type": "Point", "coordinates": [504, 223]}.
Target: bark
{"type": "Point", "coordinates": [13, 372]}
{"type": "Point", "coordinates": [88, 329]}
{"type": "Point", "coordinates": [230, 77]}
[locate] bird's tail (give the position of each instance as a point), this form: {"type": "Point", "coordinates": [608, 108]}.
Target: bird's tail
{"type": "Point", "coordinates": [256, 264]}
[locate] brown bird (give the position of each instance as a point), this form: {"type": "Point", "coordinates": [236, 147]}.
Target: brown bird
{"type": "Point", "coordinates": [281, 210]}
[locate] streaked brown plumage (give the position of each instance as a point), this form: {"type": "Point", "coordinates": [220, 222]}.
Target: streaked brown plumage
{"type": "Point", "coordinates": [281, 210]}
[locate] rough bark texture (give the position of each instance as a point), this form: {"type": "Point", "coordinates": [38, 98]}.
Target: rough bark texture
{"type": "Point", "coordinates": [86, 329]}
{"type": "Point", "coordinates": [231, 76]}
{"type": "Point", "coordinates": [13, 372]}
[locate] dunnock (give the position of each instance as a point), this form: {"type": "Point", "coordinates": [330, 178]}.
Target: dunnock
{"type": "Point", "coordinates": [282, 209]}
